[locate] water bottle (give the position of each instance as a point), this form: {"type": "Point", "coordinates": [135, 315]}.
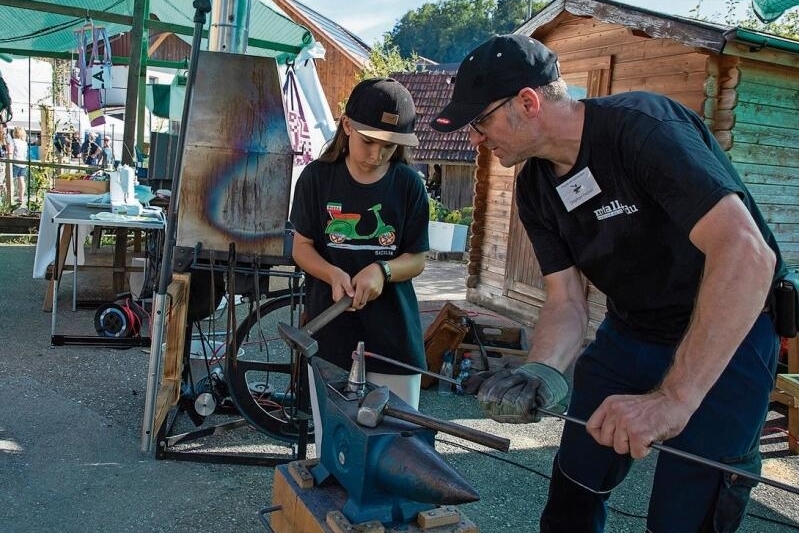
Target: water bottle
{"type": "Point", "coordinates": [445, 387]}
{"type": "Point", "coordinates": [465, 369]}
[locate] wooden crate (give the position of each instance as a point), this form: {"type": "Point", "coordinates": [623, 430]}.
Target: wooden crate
{"type": "Point", "coordinates": [503, 346]}
{"type": "Point", "coordinates": [82, 186]}
{"type": "Point", "coordinates": [445, 333]}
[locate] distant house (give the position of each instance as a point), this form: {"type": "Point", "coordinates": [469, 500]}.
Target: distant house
{"type": "Point", "coordinates": [345, 53]}
{"type": "Point", "coordinates": [743, 83]}
{"type": "Point", "coordinates": [452, 153]}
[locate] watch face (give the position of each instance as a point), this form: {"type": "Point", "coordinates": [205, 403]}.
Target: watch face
{"type": "Point", "coordinates": [386, 270]}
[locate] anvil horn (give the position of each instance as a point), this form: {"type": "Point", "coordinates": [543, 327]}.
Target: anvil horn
{"type": "Point", "coordinates": [410, 468]}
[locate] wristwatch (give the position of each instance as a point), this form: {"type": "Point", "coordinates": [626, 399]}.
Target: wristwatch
{"type": "Point", "coordinates": [386, 270]}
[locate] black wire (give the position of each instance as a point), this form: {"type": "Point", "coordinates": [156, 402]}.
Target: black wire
{"type": "Point", "coordinates": [794, 527]}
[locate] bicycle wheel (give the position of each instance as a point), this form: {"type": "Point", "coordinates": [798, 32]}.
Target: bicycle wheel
{"type": "Point", "coordinates": [261, 376]}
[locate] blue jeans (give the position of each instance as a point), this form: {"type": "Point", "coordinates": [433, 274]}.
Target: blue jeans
{"type": "Point", "coordinates": [686, 496]}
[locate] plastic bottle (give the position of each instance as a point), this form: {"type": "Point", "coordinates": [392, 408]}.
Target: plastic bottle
{"type": "Point", "coordinates": [465, 369]}
{"type": "Point", "coordinates": [445, 387]}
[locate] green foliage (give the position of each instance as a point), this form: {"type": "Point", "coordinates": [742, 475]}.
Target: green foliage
{"type": "Point", "coordinates": [385, 59]}
{"type": "Point", "coordinates": [446, 31]}
{"type": "Point", "coordinates": [786, 26]}
{"type": "Point", "coordinates": [440, 213]}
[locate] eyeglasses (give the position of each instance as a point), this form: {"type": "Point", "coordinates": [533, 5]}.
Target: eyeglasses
{"type": "Point", "coordinates": [481, 118]}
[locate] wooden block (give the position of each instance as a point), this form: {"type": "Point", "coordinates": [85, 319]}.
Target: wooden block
{"type": "Point", "coordinates": [789, 383]}
{"type": "Point", "coordinates": [300, 471]}
{"type": "Point", "coordinates": [286, 497]}
{"type": "Point", "coordinates": [442, 516]}
{"type": "Point", "coordinates": [787, 393]}
{"type": "Point", "coordinates": [84, 186]}
{"type": "Point", "coordinates": [339, 524]}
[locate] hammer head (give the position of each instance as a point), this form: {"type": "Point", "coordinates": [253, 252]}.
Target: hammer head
{"type": "Point", "coordinates": [298, 338]}
{"type": "Point", "coordinates": [373, 406]}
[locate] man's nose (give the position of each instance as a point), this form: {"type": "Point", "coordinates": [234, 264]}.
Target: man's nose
{"type": "Point", "coordinates": [475, 137]}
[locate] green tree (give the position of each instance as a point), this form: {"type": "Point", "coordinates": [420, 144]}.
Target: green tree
{"type": "Point", "coordinates": [446, 31]}
{"type": "Point", "coordinates": [384, 59]}
{"type": "Point", "coordinates": [786, 26]}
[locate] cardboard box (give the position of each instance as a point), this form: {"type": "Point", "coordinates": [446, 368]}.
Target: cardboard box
{"type": "Point", "coordinates": [82, 186]}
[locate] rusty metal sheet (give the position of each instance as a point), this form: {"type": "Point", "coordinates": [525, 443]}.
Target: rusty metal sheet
{"type": "Point", "coordinates": [236, 170]}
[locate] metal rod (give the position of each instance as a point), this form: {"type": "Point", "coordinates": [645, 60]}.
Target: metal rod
{"type": "Point", "coordinates": [325, 317]}
{"type": "Point", "coordinates": [691, 457]}
{"type": "Point", "coordinates": [411, 367]}
{"type": "Point", "coordinates": [445, 426]}
{"type": "Point", "coordinates": [155, 366]}
{"type": "Point", "coordinates": [655, 445]}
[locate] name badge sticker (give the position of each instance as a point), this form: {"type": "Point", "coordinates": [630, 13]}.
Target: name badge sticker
{"type": "Point", "coordinates": [578, 189]}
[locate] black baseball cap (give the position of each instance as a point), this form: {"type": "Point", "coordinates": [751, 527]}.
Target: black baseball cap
{"type": "Point", "coordinates": [383, 109]}
{"type": "Point", "coordinates": [498, 68]}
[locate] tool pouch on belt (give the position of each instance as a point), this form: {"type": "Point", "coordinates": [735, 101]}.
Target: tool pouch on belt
{"type": "Point", "coordinates": [786, 304]}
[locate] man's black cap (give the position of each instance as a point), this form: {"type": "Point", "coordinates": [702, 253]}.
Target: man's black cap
{"type": "Point", "coordinates": [498, 68]}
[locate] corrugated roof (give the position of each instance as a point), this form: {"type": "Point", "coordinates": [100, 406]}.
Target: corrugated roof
{"type": "Point", "coordinates": [432, 91]}
{"type": "Point", "coordinates": [53, 31]}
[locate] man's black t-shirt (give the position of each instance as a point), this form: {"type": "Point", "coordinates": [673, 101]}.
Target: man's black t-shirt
{"type": "Point", "coordinates": [648, 169]}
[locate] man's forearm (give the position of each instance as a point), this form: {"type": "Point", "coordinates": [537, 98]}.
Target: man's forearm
{"type": "Point", "coordinates": [559, 334]}
{"type": "Point", "coordinates": [731, 297]}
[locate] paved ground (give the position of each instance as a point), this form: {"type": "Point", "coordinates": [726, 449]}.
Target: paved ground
{"type": "Point", "coordinates": [70, 436]}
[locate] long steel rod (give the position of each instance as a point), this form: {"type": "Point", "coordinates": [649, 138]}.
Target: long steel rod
{"type": "Point", "coordinates": [655, 445]}
{"type": "Point", "coordinates": [691, 457]}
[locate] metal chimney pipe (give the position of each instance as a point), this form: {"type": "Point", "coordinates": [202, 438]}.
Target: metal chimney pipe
{"type": "Point", "coordinates": [230, 26]}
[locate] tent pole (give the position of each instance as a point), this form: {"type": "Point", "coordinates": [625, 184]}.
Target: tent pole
{"type": "Point", "coordinates": [140, 8]}
{"type": "Point", "coordinates": [155, 369]}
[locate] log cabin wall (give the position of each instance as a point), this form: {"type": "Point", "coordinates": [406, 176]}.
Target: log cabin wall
{"type": "Point", "coordinates": [611, 58]}
{"type": "Point", "coordinates": [765, 147]}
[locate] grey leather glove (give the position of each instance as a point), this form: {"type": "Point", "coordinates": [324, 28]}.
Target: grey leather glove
{"type": "Point", "coordinates": [513, 396]}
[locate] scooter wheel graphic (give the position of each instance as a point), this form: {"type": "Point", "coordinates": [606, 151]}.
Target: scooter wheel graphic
{"type": "Point", "coordinates": [386, 239]}
{"type": "Point", "coordinates": [337, 238]}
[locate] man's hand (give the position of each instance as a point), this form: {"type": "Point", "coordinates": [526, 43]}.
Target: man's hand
{"type": "Point", "coordinates": [630, 423]}
{"type": "Point", "coordinates": [513, 396]}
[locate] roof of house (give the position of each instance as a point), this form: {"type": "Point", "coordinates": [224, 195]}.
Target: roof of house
{"type": "Point", "coordinates": [691, 32]}
{"type": "Point", "coordinates": [349, 43]}
{"type": "Point", "coordinates": [431, 91]}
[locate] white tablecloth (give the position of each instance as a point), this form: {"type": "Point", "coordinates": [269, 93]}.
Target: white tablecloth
{"type": "Point", "coordinates": [46, 241]}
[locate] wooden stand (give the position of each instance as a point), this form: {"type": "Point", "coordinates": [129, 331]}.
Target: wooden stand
{"type": "Point", "coordinates": [318, 509]}
{"type": "Point", "coordinates": [786, 392]}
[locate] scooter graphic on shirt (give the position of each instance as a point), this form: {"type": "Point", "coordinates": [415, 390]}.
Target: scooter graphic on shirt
{"type": "Point", "coordinates": [341, 227]}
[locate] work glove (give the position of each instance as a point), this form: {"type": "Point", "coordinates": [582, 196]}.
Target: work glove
{"type": "Point", "coordinates": [513, 396]}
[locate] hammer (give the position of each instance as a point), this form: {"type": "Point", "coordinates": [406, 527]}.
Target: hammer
{"type": "Point", "coordinates": [374, 407]}
{"type": "Point", "coordinates": [302, 338]}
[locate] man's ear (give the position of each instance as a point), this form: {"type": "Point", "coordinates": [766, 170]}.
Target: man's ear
{"type": "Point", "coordinates": [530, 100]}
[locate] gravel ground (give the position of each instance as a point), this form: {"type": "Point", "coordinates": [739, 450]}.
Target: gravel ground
{"type": "Point", "coordinates": [71, 425]}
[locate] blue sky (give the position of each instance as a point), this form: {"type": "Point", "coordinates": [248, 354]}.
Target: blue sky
{"type": "Point", "coordinates": [370, 19]}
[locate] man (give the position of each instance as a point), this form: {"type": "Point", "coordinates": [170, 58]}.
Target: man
{"type": "Point", "coordinates": [91, 150]}
{"type": "Point", "coordinates": [106, 153]}
{"type": "Point", "coordinates": [633, 192]}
